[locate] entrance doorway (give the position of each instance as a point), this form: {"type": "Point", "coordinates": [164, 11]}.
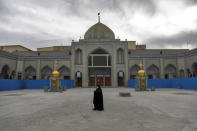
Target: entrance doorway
{"type": "Point", "coordinates": [99, 76]}
{"type": "Point", "coordinates": [78, 79]}
{"type": "Point", "coordinates": [99, 68]}
{"type": "Point", "coordinates": [100, 80]}
{"type": "Point", "coordinates": [120, 78]}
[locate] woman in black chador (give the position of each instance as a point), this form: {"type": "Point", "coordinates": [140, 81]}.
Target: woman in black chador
{"type": "Point", "coordinates": [98, 99]}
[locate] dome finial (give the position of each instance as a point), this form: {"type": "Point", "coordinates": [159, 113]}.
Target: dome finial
{"type": "Point", "coordinates": [99, 17]}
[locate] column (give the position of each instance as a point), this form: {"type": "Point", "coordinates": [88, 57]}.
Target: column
{"type": "Point", "coordinates": [161, 68]}
{"type": "Point", "coordinates": [180, 65]}
{"type": "Point", "coordinates": [126, 59]}
{"type": "Point", "coordinates": [85, 67]}
{"type": "Point", "coordinates": [114, 71]}
{"type": "Point", "coordinates": [144, 64]}
{"type": "Point", "coordinates": [72, 64]}
{"type": "Point", "coordinates": [38, 70]}
{"type": "Point", "coordinates": [19, 69]}
{"type": "Point", "coordinates": [92, 60]}
{"type": "Point", "coordinates": [107, 60]}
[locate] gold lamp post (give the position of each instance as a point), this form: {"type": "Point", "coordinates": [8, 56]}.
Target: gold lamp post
{"type": "Point", "coordinates": [141, 79]}
{"type": "Point", "coordinates": [55, 80]}
{"type": "Point", "coordinates": [55, 72]}
{"type": "Point", "coordinates": [141, 72]}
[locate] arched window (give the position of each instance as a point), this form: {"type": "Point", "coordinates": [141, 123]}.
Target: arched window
{"type": "Point", "coordinates": [90, 36]}
{"type": "Point", "coordinates": [64, 72]}
{"type": "Point", "coordinates": [152, 72]}
{"type": "Point", "coordinates": [95, 35]}
{"type": "Point", "coordinates": [30, 73]}
{"type": "Point", "coordinates": [5, 72]}
{"type": "Point", "coordinates": [133, 71]}
{"type": "Point", "coordinates": [102, 36]}
{"type": "Point", "coordinates": [170, 71]}
{"type": "Point", "coordinates": [46, 72]}
{"type": "Point", "coordinates": [78, 57]}
{"type": "Point", "coordinates": [120, 56]}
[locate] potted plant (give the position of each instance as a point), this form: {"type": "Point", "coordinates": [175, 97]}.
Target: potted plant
{"type": "Point", "coordinates": [137, 88]}
{"type": "Point", "coordinates": [46, 88]}
{"type": "Point", "coordinates": [152, 88]}
{"type": "Point", "coordinates": [64, 88]}
{"type": "Point", "coordinates": [60, 88]}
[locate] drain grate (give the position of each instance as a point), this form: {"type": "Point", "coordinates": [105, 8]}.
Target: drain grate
{"type": "Point", "coordinates": [124, 94]}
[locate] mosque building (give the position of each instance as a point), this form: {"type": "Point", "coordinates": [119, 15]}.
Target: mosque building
{"type": "Point", "coordinates": [98, 58]}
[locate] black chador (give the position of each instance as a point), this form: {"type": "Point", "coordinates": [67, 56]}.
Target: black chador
{"type": "Point", "coordinates": [98, 99]}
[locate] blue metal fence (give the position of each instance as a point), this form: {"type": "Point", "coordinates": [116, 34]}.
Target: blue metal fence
{"type": "Point", "coordinates": [68, 83]}
{"type": "Point", "coordinates": [178, 83]}
{"type": "Point", "coordinates": [36, 84]}
{"type": "Point", "coordinates": [6, 84]}
{"type": "Point", "coordinates": [182, 83]}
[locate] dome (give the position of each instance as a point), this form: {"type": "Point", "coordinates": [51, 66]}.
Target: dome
{"type": "Point", "coordinates": [99, 31]}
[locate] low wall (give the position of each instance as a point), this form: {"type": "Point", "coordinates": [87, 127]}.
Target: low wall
{"type": "Point", "coordinates": [6, 84]}
{"type": "Point", "coordinates": [181, 83]}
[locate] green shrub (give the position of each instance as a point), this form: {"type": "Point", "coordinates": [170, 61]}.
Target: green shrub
{"type": "Point", "coordinates": [46, 87]}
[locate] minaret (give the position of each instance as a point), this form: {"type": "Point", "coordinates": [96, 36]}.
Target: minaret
{"type": "Point", "coordinates": [99, 17]}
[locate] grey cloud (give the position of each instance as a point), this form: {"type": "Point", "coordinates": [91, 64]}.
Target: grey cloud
{"type": "Point", "coordinates": [15, 38]}
{"type": "Point", "coordinates": [81, 9]}
{"type": "Point", "coordinates": [3, 11]}
{"type": "Point", "coordinates": [148, 5]}
{"type": "Point", "coordinates": [190, 2]}
{"type": "Point", "coordinates": [177, 40]}
{"type": "Point", "coordinates": [118, 6]}
{"type": "Point", "coordinates": [3, 7]}
{"type": "Point", "coordinates": [32, 41]}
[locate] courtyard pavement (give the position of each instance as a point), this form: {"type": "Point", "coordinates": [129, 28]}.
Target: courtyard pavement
{"type": "Point", "coordinates": [162, 110]}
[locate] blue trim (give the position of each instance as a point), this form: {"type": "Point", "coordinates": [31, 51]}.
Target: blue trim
{"type": "Point", "coordinates": [67, 57]}
{"type": "Point", "coordinates": [17, 57]}
{"type": "Point", "coordinates": [189, 53]}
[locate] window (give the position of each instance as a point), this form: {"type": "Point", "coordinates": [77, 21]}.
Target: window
{"type": "Point", "coordinates": [78, 57]}
{"type": "Point", "coordinates": [120, 56]}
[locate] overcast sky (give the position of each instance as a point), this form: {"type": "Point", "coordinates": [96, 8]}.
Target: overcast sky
{"type": "Point", "coordinates": [157, 23]}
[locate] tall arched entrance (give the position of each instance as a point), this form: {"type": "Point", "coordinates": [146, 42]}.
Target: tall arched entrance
{"type": "Point", "coordinates": [30, 73]}
{"type": "Point", "coordinates": [5, 72]}
{"type": "Point", "coordinates": [46, 73]}
{"type": "Point", "coordinates": [152, 72]}
{"type": "Point", "coordinates": [99, 68]}
{"type": "Point", "coordinates": [64, 72]}
{"type": "Point", "coordinates": [194, 69]}
{"type": "Point", "coordinates": [170, 71]}
{"type": "Point", "coordinates": [133, 71]}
